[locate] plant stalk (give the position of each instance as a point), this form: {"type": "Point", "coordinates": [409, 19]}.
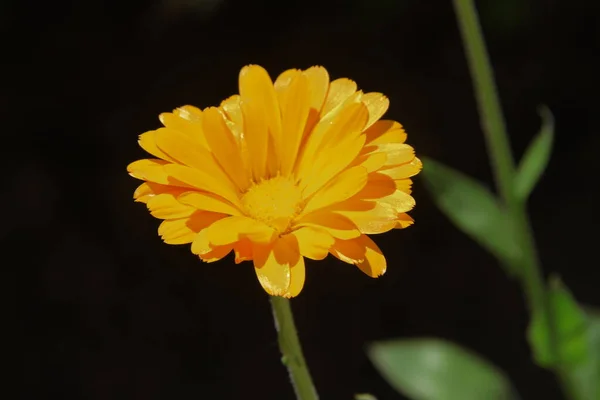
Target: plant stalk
{"type": "Point", "coordinates": [498, 148]}
{"type": "Point", "coordinates": [290, 347]}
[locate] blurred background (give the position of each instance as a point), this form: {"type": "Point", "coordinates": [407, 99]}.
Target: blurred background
{"type": "Point", "coordinates": [107, 311]}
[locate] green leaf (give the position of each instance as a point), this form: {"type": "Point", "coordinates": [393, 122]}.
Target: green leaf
{"type": "Point", "coordinates": [571, 330]}
{"type": "Point", "coordinates": [536, 156]}
{"type": "Point", "coordinates": [584, 379]}
{"type": "Point", "coordinates": [432, 369]}
{"type": "Point", "coordinates": [474, 210]}
{"type": "Point", "coordinates": [364, 396]}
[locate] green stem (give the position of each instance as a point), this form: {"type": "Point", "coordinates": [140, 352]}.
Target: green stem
{"type": "Point", "coordinates": [290, 347]}
{"type": "Point", "coordinates": [498, 147]}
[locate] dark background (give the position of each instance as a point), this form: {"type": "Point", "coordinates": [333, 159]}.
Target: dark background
{"type": "Point", "coordinates": [107, 311]}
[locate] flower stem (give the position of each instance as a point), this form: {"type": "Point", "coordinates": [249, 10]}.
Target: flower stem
{"type": "Point", "coordinates": [290, 347]}
{"type": "Point", "coordinates": [498, 148]}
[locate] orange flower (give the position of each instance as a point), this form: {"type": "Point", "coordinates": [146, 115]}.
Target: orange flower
{"type": "Point", "coordinates": [298, 168]}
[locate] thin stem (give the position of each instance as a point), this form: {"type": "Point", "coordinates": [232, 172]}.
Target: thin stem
{"type": "Point", "coordinates": [290, 347]}
{"type": "Point", "coordinates": [498, 147]}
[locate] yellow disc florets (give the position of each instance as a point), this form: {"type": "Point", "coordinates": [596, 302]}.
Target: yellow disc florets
{"type": "Point", "coordinates": [276, 202]}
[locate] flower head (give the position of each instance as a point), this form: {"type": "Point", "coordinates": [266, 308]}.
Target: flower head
{"type": "Point", "coordinates": [302, 167]}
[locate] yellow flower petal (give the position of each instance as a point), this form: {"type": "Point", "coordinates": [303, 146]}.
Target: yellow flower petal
{"type": "Point", "coordinates": [371, 161]}
{"type": "Point", "coordinates": [405, 170]}
{"type": "Point", "coordinates": [378, 219]}
{"type": "Point", "coordinates": [318, 81]}
{"type": "Point", "coordinates": [363, 253]}
{"type": "Point", "coordinates": [341, 157]}
{"type": "Point", "coordinates": [404, 184]}
{"type": "Point", "coordinates": [273, 264]}
{"type": "Point", "coordinates": [340, 188]}
{"type": "Point", "coordinates": [147, 141]}
{"type": "Point", "coordinates": [147, 190]}
{"type": "Point", "coordinates": [202, 180]}
{"type": "Point", "coordinates": [184, 230]}
{"type": "Point", "coordinates": [176, 231]}
{"type": "Point", "coordinates": [166, 206]}
{"type": "Point", "coordinates": [243, 250]}
{"type": "Point", "coordinates": [208, 202]}
{"type": "Point", "coordinates": [224, 147]}
{"type": "Point", "coordinates": [297, 277]}
{"type": "Point", "coordinates": [187, 152]}
{"type": "Point", "coordinates": [396, 153]}
{"type": "Point", "coordinates": [201, 244]}
{"type": "Point", "coordinates": [216, 253]}
{"type": "Point", "coordinates": [294, 113]}
{"type": "Point", "coordinates": [262, 120]}
{"type": "Point", "coordinates": [283, 81]}
{"type": "Point", "coordinates": [235, 120]}
{"type": "Point", "coordinates": [232, 229]}
{"type": "Point", "coordinates": [404, 221]}
{"type": "Point", "coordinates": [339, 91]}
{"type": "Point", "coordinates": [186, 120]}
{"type": "Point", "coordinates": [199, 222]}
{"type": "Point", "coordinates": [385, 131]}
{"type": "Point", "coordinates": [313, 243]}
{"type": "Point", "coordinates": [151, 170]}
{"type": "Point", "coordinates": [336, 225]}
{"type": "Point", "coordinates": [377, 104]}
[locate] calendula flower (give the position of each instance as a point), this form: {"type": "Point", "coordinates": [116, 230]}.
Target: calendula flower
{"type": "Point", "coordinates": [302, 167]}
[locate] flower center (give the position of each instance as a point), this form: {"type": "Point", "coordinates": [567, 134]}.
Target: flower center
{"type": "Point", "coordinates": [275, 202]}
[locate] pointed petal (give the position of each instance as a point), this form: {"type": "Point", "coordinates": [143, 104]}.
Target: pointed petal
{"type": "Point", "coordinates": [208, 202]}
{"type": "Point", "coordinates": [261, 116]}
{"type": "Point", "coordinates": [313, 243]}
{"type": "Point", "coordinates": [377, 104]}
{"type": "Point", "coordinates": [224, 147]}
{"type": "Point", "coordinates": [340, 188]}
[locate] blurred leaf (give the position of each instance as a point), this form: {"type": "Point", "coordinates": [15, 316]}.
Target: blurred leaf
{"type": "Point", "coordinates": [584, 379]}
{"type": "Point", "coordinates": [431, 369]}
{"type": "Point", "coordinates": [536, 157]}
{"type": "Point", "coordinates": [473, 209]}
{"type": "Point", "coordinates": [364, 396]}
{"type": "Point", "coordinates": [571, 337]}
